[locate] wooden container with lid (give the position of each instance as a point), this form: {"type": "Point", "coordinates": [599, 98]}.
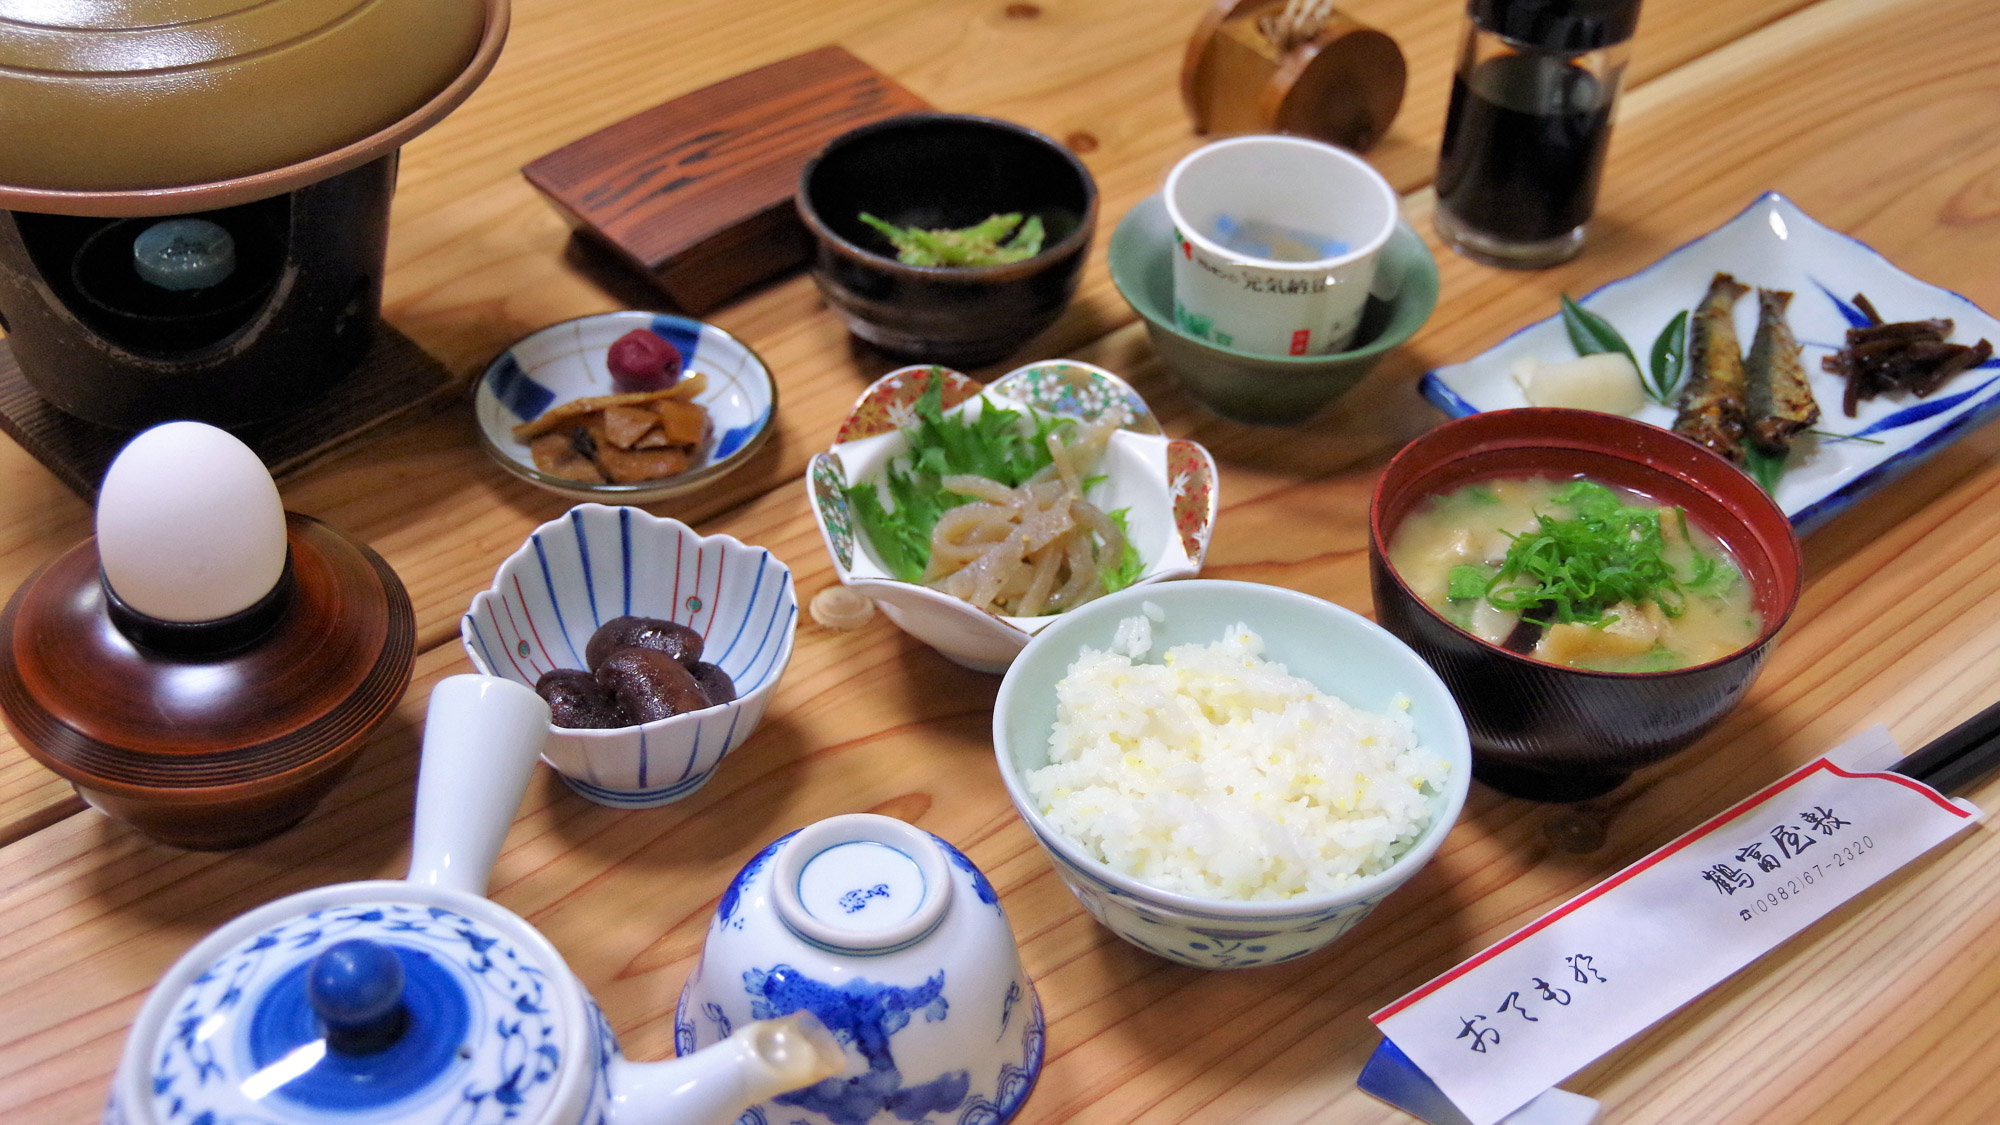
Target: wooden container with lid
{"type": "Point", "coordinates": [208, 665]}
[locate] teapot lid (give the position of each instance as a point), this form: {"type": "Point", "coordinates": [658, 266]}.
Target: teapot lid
{"type": "Point", "coordinates": [113, 107]}
{"type": "Point", "coordinates": [377, 1002]}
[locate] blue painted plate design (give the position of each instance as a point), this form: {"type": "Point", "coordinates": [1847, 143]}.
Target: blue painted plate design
{"type": "Point", "coordinates": [1774, 244]}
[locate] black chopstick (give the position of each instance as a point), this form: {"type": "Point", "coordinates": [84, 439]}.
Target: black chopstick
{"type": "Point", "coordinates": [1959, 756]}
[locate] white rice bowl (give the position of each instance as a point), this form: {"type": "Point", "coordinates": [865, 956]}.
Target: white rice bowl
{"type": "Point", "coordinates": [1218, 774]}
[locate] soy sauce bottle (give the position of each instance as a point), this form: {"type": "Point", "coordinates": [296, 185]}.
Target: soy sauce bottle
{"type": "Point", "coordinates": [1529, 122]}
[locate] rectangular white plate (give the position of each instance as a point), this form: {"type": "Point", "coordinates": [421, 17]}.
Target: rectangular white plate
{"type": "Point", "coordinates": [1775, 245]}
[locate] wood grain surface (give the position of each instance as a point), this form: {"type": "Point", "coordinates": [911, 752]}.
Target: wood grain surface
{"type": "Point", "coordinates": [1876, 116]}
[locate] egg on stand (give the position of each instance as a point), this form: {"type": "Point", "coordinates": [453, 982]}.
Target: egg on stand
{"type": "Point", "coordinates": [208, 665]}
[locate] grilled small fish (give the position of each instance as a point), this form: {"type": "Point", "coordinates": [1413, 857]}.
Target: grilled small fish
{"type": "Point", "coordinates": [1779, 399]}
{"type": "Point", "coordinates": [1711, 407]}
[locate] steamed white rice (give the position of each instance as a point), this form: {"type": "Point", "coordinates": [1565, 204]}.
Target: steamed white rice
{"type": "Point", "coordinates": [1218, 773]}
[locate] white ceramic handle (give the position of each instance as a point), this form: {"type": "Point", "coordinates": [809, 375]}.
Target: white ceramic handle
{"type": "Point", "coordinates": [482, 737]}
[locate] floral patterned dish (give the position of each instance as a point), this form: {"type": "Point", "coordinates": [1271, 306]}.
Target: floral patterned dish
{"type": "Point", "coordinates": [1167, 486]}
{"type": "Point", "coordinates": [1774, 244]}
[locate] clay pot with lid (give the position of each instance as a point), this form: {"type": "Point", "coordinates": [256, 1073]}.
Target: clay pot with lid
{"type": "Point", "coordinates": [399, 1002]}
{"type": "Point", "coordinates": [268, 132]}
{"type": "Point", "coordinates": [208, 665]}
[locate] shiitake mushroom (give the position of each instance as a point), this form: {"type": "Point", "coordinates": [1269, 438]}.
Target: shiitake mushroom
{"type": "Point", "coordinates": [576, 700]}
{"type": "Point", "coordinates": [715, 682]}
{"type": "Point", "coordinates": [649, 684]}
{"type": "Point", "coordinates": [642, 668]}
{"type": "Point", "coordinates": [670, 637]}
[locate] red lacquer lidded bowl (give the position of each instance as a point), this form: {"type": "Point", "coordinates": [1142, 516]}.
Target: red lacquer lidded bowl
{"type": "Point", "coordinates": [208, 665]}
{"type": "Point", "coordinates": [1549, 731]}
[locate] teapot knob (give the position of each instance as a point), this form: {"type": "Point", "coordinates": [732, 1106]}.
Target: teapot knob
{"type": "Point", "coordinates": [355, 987]}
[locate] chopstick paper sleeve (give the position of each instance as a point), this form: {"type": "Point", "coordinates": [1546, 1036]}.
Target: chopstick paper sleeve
{"type": "Point", "coordinates": [1548, 1000]}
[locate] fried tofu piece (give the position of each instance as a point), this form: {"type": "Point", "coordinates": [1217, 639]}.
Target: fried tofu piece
{"type": "Point", "coordinates": [625, 466]}
{"type": "Point", "coordinates": [626, 427]}
{"type": "Point", "coordinates": [1635, 632]}
{"type": "Point", "coordinates": [622, 438]}
{"type": "Point", "coordinates": [683, 423]}
{"type": "Point", "coordinates": [557, 455]}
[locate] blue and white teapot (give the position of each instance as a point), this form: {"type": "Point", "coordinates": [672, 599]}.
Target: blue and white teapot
{"type": "Point", "coordinates": [419, 1000]}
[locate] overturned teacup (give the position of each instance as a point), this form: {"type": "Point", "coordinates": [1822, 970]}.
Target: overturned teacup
{"type": "Point", "coordinates": [897, 943]}
{"type": "Point", "coordinates": [1275, 242]}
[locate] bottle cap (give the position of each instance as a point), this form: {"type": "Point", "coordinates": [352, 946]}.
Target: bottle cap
{"type": "Point", "coordinates": [1566, 26]}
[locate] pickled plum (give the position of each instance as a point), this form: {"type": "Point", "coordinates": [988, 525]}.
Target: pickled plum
{"type": "Point", "coordinates": [642, 361]}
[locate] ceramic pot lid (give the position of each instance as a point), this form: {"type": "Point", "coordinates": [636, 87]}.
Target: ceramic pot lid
{"type": "Point", "coordinates": [138, 95]}
{"type": "Point", "coordinates": [294, 1015]}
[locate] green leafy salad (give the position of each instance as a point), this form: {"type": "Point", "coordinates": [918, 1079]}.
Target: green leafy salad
{"type": "Point", "coordinates": [1023, 541]}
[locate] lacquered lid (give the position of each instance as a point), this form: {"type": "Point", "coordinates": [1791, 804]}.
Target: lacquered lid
{"type": "Point", "coordinates": [139, 95]}
{"type": "Point", "coordinates": [376, 1002]}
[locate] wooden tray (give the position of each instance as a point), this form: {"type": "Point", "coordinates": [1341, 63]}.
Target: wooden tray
{"type": "Point", "coordinates": [696, 193]}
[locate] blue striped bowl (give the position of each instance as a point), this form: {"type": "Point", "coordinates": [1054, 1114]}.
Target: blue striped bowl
{"type": "Point", "coordinates": [595, 563]}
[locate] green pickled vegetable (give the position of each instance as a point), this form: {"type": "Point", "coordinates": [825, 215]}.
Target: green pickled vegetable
{"type": "Point", "coordinates": [996, 241]}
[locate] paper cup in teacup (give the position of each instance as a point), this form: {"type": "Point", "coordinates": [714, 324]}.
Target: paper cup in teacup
{"type": "Point", "coordinates": [1276, 242]}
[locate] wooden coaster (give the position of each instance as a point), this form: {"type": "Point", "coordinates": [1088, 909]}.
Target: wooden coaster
{"type": "Point", "coordinates": [696, 193]}
{"type": "Point", "coordinates": [395, 377]}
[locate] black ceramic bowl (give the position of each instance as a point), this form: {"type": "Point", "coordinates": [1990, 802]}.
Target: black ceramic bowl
{"type": "Point", "coordinates": [944, 171]}
{"type": "Point", "coordinates": [1555, 733]}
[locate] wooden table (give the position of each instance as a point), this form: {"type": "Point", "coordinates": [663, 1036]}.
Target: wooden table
{"type": "Point", "coordinates": [1877, 116]}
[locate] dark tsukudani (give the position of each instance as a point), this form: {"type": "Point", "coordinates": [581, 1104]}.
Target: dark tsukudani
{"type": "Point", "coordinates": [1546, 731]}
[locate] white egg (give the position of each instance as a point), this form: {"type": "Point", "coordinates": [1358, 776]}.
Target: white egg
{"type": "Point", "coordinates": [189, 525]}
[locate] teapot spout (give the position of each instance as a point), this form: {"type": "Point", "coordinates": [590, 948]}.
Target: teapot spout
{"type": "Point", "coordinates": [716, 1084]}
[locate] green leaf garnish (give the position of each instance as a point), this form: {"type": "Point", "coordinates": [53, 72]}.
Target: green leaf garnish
{"type": "Point", "coordinates": [1127, 571]}
{"type": "Point", "coordinates": [994, 445]}
{"type": "Point", "coordinates": [1467, 581]}
{"type": "Point", "coordinates": [1764, 468]}
{"type": "Point", "coordinates": [1571, 571]}
{"type": "Point", "coordinates": [1669, 359]}
{"type": "Point", "coordinates": [1590, 333]}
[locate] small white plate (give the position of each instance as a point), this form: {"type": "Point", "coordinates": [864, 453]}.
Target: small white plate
{"type": "Point", "coordinates": [566, 361]}
{"type": "Point", "coordinates": [1775, 245]}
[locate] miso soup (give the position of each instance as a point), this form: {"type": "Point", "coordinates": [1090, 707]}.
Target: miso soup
{"type": "Point", "coordinates": [1577, 573]}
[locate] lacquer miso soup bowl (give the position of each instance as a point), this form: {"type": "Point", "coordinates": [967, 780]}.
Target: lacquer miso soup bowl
{"type": "Point", "coordinates": [596, 563]}
{"type": "Point", "coordinates": [1549, 731]}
